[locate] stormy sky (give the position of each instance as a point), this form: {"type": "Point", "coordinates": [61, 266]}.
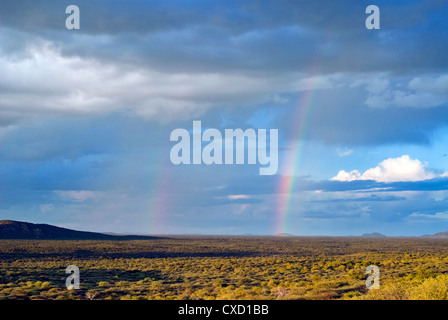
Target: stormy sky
{"type": "Point", "coordinates": [86, 115]}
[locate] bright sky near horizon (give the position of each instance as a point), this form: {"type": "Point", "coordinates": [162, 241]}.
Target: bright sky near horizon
{"type": "Point", "coordinates": [362, 115]}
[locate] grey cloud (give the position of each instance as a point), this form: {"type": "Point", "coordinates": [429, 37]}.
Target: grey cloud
{"type": "Point", "coordinates": [341, 116]}
{"type": "Point", "coordinates": [262, 36]}
{"type": "Point", "coordinates": [130, 56]}
{"type": "Point", "coordinates": [418, 92]}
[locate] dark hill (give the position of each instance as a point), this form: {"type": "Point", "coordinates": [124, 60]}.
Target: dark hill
{"type": "Point", "coordinates": [10, 229]}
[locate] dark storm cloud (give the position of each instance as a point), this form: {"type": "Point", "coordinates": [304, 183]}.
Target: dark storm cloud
{"type": "Point", "coordinates": [268, 46]}
{"type": "Point", "coordinates": [256, 36]}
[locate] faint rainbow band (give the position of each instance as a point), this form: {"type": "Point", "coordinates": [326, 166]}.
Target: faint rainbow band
{"type": "Point", "coordinates": [287, 183]}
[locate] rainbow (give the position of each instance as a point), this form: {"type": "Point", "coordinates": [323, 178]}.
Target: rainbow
{"type": "Point", "coordinates": [293, 157]}
{"type": "Point", "coordinates": [158, 206]}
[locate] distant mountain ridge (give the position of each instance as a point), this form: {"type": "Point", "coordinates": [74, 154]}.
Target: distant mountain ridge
{"type": "Point", "coordinates": [373, 235]}
{"type": "Point", "coordinates": [10, 229]}
{"type": "Point", "coordinates": [284, 235]}
{"type": "Point", "coordinates": [438, 235]}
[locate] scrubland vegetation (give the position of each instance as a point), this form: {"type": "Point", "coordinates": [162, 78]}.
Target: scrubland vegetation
{"type": "Point", "coordinates": [225, 268]}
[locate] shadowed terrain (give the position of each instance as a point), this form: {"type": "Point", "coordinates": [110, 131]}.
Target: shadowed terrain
{"type": "Point", "coordinates": [10, 229]}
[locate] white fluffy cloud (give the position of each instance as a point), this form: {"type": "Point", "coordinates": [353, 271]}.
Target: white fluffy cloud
{"type": "Point", "coordinates": [390, 170]}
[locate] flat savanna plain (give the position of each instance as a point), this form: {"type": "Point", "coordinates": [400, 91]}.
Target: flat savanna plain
{"type": "Point", "coordinates": [206, 267]}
